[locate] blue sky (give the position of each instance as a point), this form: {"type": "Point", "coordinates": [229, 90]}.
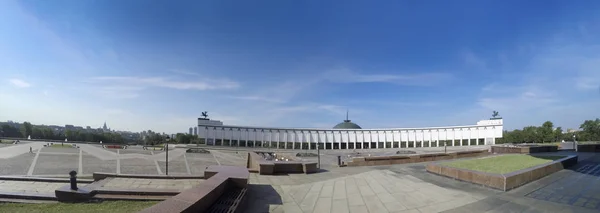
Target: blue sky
{"type": "Point", "coordinates": [156, 65]}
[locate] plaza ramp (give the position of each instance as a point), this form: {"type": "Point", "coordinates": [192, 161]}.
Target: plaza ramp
{"type": "Point", "coordinates": [173, 154]}
{"type": "Point", "coordinates": [97, 152]}
{"type": "Point", "coordinates": [16, 150]}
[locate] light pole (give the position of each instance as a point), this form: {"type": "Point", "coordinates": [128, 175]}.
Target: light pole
{"type": "Point", "coordinates": [575, 141]}
{"type": "Point", "coordinates": [167, 155]}
{"type": "Point", "coordinates": [318, 155]}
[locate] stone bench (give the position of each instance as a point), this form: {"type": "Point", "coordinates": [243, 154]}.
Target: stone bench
{"type": "Point", "coordinates": [256, 163]}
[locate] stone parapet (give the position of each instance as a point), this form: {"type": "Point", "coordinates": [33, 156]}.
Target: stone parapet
{"type": "Point", "coordinates": [416, 158]}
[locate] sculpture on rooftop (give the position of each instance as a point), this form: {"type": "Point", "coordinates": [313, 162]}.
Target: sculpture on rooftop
{"type": "Point", "coordinates": [205, 114]}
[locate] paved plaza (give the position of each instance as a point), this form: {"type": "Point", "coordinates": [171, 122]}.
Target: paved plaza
{"type": "Point", "coordinates": [58, 162]}
{"type": "Point", "coordinates": [391, 188]}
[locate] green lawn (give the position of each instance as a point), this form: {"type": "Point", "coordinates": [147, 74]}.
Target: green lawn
{"type": "Point", "coordinates": [107, 206]}
{"type": "Point", "coordinates": [502, 164]}
{"type": "Point", "coordinates": [58, 145]}
{"type": "Point", "coordinates": [6, 141]}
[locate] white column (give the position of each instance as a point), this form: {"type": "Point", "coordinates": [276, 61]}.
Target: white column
{"type": "Point", "coordinates": [430, 137]}
{"type": "Point", "coordinates": [362, 145]}
{"type": "Point", "coordinates": [270, 138]}
{"type": "Point", "coordinates": [438, 138]}
{"type": "Point", "coordinates": [341, 140]}
{"type": "Point", "coordinates": [214, 136]}
{"type": "Point", "coordinates": [319, 141]}
{"type": "Point", "coordinates": [285, 141]}
{"type": "Point", "coordinates": [385, 138]}
{"type": "Point", "coordinates": [394, 139]}
{"type": "Point", "coordinates": [262, 138]}
{"type": "Point", "coordinates": [462, 136]}
{"type": "Point", "coordinates": [309, 140]}
{"type": "Point", "coordinates": [222, 136]}
{"type": "Point", "coordinates": [206, 135]}
{"type": "Point", "coordinates": [326, 138]}
{"type": "Point", "coordinates": [294, 140]}
{"type": "Point", "coordinates": [355, 140]}
{"type": "Point", "coordinates": [453, 136]}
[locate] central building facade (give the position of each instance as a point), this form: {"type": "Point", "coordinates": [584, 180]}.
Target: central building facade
{"type": "Point", "coordinates": [348, 135]}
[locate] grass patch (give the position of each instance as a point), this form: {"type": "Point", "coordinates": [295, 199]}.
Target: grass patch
{"type": "Point", "coordinates": [61, 145]}
{"type": "Point", "coordinates": [106, 206]}
{"type": "Point", "coordinates": [502, 164]}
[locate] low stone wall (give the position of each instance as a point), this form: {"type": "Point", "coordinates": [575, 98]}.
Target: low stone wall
{"type": "Point", "coordinates": [588, 148]}
{"type": "Point", "coordinates": [503, 182]}
{"type": "Point", "coordinates": [203, 197]}
{"type": "Point", "coordinates": [398, 159]}
{"type": "Point", "coordinates": [256, 163]}
{"type": "Point", "coordinates": [102, 175]}
{"type": "Point", "coordinates": [220, 179]}
{"type": "Point", "coordinates": [524, 149]}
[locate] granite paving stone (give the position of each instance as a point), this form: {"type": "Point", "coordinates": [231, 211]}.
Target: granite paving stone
{"type": "Point", "coordinates": [18, 165]}
{"type": "Point", "coordinates": [138, 166]}
{"type": "Point", "coordinates": [92, 164]}
{"type": "Point", "coordinates": [48, 164]}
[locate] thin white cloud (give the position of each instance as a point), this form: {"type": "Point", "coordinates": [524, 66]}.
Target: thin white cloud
{"type": "Point", "coordinates": [168, 83]}
{"type": "Point", "coordinates": [553, 77]}
{"type": "Point", "coordinates": [474, 61]}
{"type": "Point", "coordinates": [184, 72]}
{"type": "Point", "coordinates": [418, 79]}
{"type": "Point", "coordinates": [19, 83]}
{"type": "Point", "coordinates": [256, 98]}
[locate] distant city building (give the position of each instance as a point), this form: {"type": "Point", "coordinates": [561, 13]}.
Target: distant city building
{"type": "Point", "coordinates": [571, 130]}
{"type": "Point", "coordinates": [191, 130]}
{"type": "Point", "coordinates": [196, 130]}
{"type": "Point", "coordinates": [105, 128]}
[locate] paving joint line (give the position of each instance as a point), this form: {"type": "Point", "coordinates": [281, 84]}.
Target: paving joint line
{"type": "Point", "coordinates": [80, 170]}
{"type": "Point", "coordinates": [118, 162]}
{"type": "Point", "coordinates": [156, 163]}
{"type": "Point", "coordinates": [187, 166]}
{"type": "Point", "coordinates": [32, 166]}
{"type": "Point", "coordinates": [215, 157]}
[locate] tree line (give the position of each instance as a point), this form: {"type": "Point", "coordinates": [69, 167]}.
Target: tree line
{"type": "Point", "coordinates": [41, 132]}
{"type": "Point", "coordinates": [26, 129]}
{"type": "Point", "coordinates": [589, 131]}
{"type": "Point", "coordinates": [153, 138]}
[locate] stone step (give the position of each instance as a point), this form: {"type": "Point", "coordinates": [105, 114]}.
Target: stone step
{"type": "Point", "coordinates": [26, 196]}
{"type": "Point", "coordinates": [14, 200]}
{"type": "Point", "coordinates": [132, 197]}
{"type": "Point", "coordinates": [138, 192]}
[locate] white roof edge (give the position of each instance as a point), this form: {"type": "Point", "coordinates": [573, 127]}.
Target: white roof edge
{"type": "Point", "coordinates": [317, 129]}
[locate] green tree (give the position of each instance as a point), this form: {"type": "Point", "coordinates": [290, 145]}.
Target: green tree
{"type": "Point", "coordinates": [26, 129]}
{"type": "Point", "coordinates": [10, 131]}
{"type": "Point", "coordinates": [557, 134]}
{"type": "Point", "coordinates": [590, 130]}
{"type": "Point", "coordinates": [546, 132]}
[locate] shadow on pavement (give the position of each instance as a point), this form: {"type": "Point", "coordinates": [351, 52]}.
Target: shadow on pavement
{"type": "Point", "coordinates": [261, 197]}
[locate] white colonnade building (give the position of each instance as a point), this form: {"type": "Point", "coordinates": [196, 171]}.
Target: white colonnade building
{"type": "Point", "coordinates": [348, 135]}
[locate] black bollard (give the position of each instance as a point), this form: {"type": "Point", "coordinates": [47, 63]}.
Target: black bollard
{"type": "Point", "coordinates": [339, 160]}
{"type": "Point", "coordinates": [73, 179]}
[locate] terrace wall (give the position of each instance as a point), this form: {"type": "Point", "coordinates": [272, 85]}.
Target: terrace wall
{"type": "Point", "coordinates": [398, 159]}
{"type": "Point", "coordinates": [504, 182]}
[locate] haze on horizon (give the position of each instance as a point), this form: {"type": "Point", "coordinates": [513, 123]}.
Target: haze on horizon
{"type": "Point", "coordinates": [140, 65]}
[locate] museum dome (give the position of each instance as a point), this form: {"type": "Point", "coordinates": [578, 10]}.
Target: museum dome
{"type": "Point", "coordinates": [347, 124]}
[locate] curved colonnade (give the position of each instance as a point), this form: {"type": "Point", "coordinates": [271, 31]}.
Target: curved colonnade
{"type": "Point", "coordinates": [213, 132]}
